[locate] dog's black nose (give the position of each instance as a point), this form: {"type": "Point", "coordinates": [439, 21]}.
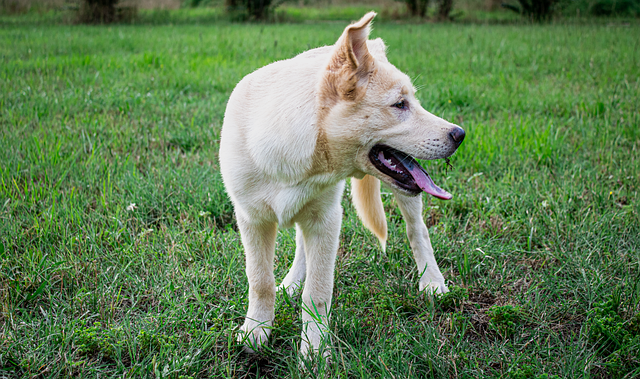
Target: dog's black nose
{"type": "Point", "coordinates": [457, 135]}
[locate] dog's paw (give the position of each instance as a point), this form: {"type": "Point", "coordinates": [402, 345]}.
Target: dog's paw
{"type": "Point", "coordinates": [314, 363]}
{"type": "Point", "coordinates": [433, 286]}
{"type": "Point", "coordinates": [315, 341]}
{"type": "Point", "coordinates": [304, 347]}
{"type": "Point", "coordinates": [309, 352]}
{"type": "Point", "coordinates": [253, 335]}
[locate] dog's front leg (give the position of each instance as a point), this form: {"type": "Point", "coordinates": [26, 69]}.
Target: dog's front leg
{"type": "Point", "coordinates": [320, 223]}
{"type": "Point", "coordinates": [431, 278]}
{"type": "Point", "coordinates": [258, 240]}
{"type": "Point", "coordinates": [298, 269]}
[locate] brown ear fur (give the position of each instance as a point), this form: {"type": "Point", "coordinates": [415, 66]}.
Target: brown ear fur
{"type": "Point", "coordinates": [351, 64]}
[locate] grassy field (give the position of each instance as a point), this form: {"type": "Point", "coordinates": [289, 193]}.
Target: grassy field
{"type": "Point", "coordinates": [119, 255]}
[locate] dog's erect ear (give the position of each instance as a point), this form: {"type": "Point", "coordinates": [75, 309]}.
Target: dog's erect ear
{"type": "Point", "coordinates": [353, 42]}
{"type": "Point", "coordinates": [351, 63]}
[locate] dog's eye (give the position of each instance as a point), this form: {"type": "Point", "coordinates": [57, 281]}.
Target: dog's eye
{"type": "Point", "coordinates": [400, 104]}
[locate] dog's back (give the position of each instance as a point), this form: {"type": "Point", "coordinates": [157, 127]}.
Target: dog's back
{"type": "Point", "coordinates": [269, 129]}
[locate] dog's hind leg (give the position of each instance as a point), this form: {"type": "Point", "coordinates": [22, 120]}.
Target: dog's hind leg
{"type": "Point", "coordinates": [320, 223]}
{"type": "Point", "coordinates": [431, 278]}
{"type": "Point", "coordinates": [258, 240]}
{"type": "Point", "coordinates": [298, 270]}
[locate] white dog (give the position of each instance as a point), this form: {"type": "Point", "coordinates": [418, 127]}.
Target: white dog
{"type": "Point", "coordinates": [293, 132]}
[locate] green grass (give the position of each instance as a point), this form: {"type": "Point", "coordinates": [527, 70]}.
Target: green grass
{"type": "Point", "coordinates": [540, 243]}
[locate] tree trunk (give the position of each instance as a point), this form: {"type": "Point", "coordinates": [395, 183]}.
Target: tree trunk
{"type": "Point", "coordinates": [417, 7]}
{"type": "Point", "coordinates": [445, 10]}
{"type": "Point", "coordinates": [98, 11]}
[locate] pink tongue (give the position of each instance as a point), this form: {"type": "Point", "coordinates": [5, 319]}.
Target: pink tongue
{"type": "Point", "coordinates": [426, 184]}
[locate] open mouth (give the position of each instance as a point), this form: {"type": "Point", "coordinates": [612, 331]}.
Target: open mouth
{"type": "Point", "coordinates": [405, 171]}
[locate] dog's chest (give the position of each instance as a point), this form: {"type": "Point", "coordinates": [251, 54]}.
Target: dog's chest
{"type": "Point", "coordinates": [289, 202]}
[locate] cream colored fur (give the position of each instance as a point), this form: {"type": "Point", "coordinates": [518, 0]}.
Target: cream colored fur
{"type": "Point", "coordinates": [293, 132]}
{"type": "Point", "coordinates": [366, 198]}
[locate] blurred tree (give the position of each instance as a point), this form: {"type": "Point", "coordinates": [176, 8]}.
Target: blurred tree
{"type": "Point", "coordinates": [536, 10]}
{"type": "Point", "coordinates": [105, 12]}
{"type": "Point", "coordinates": [97, 11]}
{"type": "Point", "coordinates": [616, 7]}
{"type": "Point", "coordinates": [418, 8]}
{"type": "Point", "coordinates": [444, 10]}
{"type": "Point", "coordinates": [251, 9]}
{"type": "Point", "coordinates": [193, 3]}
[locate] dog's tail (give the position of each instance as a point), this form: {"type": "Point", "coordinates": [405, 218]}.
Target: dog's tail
{"type": "Point", "coordinates": [366, 197]}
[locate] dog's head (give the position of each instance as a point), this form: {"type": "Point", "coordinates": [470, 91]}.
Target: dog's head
{"type": "Point", "coordinates": [373, 113]}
